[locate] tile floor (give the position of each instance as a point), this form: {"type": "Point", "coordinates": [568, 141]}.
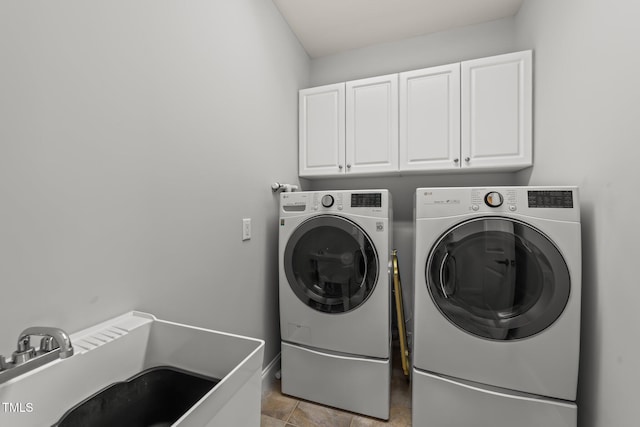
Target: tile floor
{"type": "Point", "coordinates": [279, 410]}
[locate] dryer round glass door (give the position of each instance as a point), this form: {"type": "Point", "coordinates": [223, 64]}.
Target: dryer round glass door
{"type": "Point", "coordinates": [498, 278]}
{"type": "Point", "coordinates": [331, 264]}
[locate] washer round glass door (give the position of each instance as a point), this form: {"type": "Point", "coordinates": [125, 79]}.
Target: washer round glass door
{"type": "Point", "coordinates": [498, 278]}
{"type": "Point", "coordinates": [331, 264]}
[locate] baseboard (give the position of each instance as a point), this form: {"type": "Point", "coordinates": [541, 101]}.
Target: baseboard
{"type": "Point", "coordinates": [269, 374]}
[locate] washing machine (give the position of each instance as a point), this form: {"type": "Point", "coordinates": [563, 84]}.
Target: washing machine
{"type": "Point", "coordinates": [334, 257]}
{"type": "Point", "coordinates": [497, 306]}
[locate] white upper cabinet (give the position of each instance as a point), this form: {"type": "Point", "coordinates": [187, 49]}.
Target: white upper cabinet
{"type": "Point", "coordinates": [496, 112]}
{"type": "Point", "coordinates": [430, 118]}
{"type": "Point", "coordinates": [322, 130]}
{"type": "Point", "coordinates": [349, 128]}
{"type": "Point", "coordinates": [472, 115]}
{"type": "Point", "coordinates": [372, 125]}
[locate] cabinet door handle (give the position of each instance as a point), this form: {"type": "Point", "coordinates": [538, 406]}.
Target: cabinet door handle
{"type": "Point", "coordinates": [467, 159]}
{"type": "Point", "coordinates": [348, 166]}
{"type": "Point", "coordinates": [340, 167]}
{"type": "Point", "coordinates": [456, 160]}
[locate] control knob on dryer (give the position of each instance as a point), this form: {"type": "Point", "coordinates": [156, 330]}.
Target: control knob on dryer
{"type": "Point", "coordinates": [327, 200]}
{"type": "Point", "coordinates": [494, 199]}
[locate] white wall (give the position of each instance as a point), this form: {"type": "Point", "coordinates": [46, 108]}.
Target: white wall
{"type": "Point", "coordinates": [134, 137]}
{"type": "Point", "coordinates": [441, 48]}
{"type": "Point", "coordinates": [587, 132]}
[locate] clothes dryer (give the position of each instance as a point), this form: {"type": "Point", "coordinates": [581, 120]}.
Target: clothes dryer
{"type": "Point", "coordinates": [497, 306]}
{"type": "Point", "coordinates": [334, 257]}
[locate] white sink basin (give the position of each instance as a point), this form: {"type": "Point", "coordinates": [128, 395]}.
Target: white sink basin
{"type": "Point", "coordinates": [126, 345]}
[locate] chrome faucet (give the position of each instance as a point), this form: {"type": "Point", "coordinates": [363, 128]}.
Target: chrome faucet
{"type": "Point", "coordinates": [55, 343]}
{"type": "Point", "coordinates": [49, 335]}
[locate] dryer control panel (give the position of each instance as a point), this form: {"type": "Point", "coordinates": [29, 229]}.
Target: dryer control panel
{"type": "Point", "coordinates": [559, 203]}
{"type": "Point", "coordinates": [506, 199]}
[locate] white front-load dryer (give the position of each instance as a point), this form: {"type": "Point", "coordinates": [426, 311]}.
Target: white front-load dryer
{"type": "Point", "coordinates": [497, 306]}
{"type": "Point", "coordinates": [334, 256]}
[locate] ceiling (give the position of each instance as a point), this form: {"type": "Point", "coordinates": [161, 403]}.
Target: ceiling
{"type": "Point", "coordinates": [325, 27]}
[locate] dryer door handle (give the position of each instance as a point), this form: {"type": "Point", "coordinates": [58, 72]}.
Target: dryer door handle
{"type": "Point", "coordinates": [443, 280]}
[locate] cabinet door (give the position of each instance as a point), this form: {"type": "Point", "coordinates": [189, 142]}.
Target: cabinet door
{"type": "Point", "coordinates": [322, 130]}
{"type": "Point", "coordinates": [430, 118]}
{"type": "Point", "coordinates": [372, 125]}
{"type": "Point", "coordinates": [496, 111]}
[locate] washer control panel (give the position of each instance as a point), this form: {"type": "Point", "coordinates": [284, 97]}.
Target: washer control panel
{"type": "Point", "coordinates": [363, 201]}
{"type": "Point", "coordinates": [322, 201]}
{"type": "Point", "coordinates": [366, 200]}
{"type": "Point", "coordinates": [373, 203]}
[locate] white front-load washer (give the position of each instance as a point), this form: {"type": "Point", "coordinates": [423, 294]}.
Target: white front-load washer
{"type": "Point", "coordinates": [497, 306]}
{"type": "Point", "coordinates": [334, 257]}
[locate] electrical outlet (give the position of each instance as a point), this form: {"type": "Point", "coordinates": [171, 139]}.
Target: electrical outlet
{"type": "Point", "coordinates": [246, 228]}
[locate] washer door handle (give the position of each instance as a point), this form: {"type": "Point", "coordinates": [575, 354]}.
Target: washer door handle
{"type": "Point", "coordinates": [442, 278]}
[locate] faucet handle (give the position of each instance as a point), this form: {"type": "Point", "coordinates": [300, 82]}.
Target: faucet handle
{"type": "Point", "coordinates": [48, 344]}
{"type": "Point", "coordinates": [24, 344]}
{"type": "Point", "coordinates": [24, 352]}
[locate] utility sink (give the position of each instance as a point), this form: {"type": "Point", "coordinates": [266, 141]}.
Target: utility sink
{"type": "Point", "coordinates": [136, 370]}
{"type": "Point", "coordinates": [155, 397]}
